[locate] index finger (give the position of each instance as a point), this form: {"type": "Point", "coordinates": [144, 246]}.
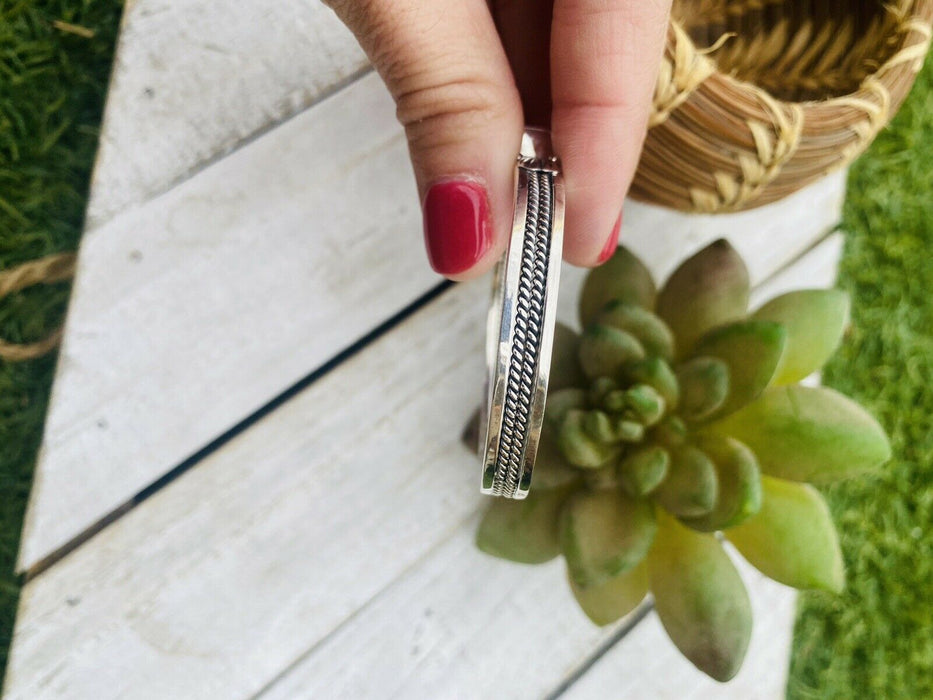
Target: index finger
{"type": "Point", "coordinates": [604, 63]}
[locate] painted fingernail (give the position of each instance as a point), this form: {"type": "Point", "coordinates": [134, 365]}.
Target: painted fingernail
{"type": "Point", "coordinates": [457, 229]}
{"type": "Point", "coordinates": [612, 243]}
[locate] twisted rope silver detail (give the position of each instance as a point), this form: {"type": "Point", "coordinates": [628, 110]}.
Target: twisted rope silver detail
{"type": "Point", "coordinates": [526, 347]}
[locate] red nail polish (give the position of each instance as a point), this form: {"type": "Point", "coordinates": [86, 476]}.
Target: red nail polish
{"type": "Point", "coordinates": [457, 230]}
{"type": "Point", "coordinates": [612, 243]}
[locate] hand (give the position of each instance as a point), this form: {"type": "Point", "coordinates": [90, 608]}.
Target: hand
{"type": "Point", "coordinates": [467, 75]}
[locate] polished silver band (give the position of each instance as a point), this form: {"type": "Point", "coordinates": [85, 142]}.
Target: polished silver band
{"type": "Point", "coordinates": [520, 325]}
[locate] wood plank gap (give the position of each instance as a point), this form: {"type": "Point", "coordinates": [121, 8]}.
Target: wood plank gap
{"type": "Point", "coordinates": [640, 614]}
{"type": "Point", "coordinates": [241, 143]}
{"type": "Point", "coordinates": [240, 427]}
{"type": "Point", "coordinates": [451, 533]}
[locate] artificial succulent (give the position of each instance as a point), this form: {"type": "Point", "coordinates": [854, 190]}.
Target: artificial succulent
{"type": "Point", "coordinates": [674, 416]}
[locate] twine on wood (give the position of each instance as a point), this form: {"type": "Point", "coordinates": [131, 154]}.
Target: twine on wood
{"type": "Point", "coordinates": [758, 98]}
{"type": "Point", "coordinates": [47, 270]}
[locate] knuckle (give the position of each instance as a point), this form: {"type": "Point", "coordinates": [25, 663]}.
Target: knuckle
{"type": "Point", "coordinates": [440, 111]}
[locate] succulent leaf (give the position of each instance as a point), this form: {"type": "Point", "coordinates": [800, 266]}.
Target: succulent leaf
{"type": "Point", "coordinates": [565, 364]}
{"type": "Point", "coordinates": [708, 290]}
{"type": "Point", "coordinates": [615, 401]}
{"type": "Point", "coordinates": [646, 403]}
{"type": "Point", "coordinates": [605, 350]}
{"type": "Point", "coordinates": [656, 373]}
{"type": "Point", "coordinates": [524, 531]}
{"type": "Point", "coordinates": [643, 470]}
{"type": "Point", "coordinates": [739, 484]}
{"type": "Point", "coordinates": [815, 320]}
{"type": "Point", "coordinates": [650, 330]}
{"type": "Point", "coordinates": [622, 278]}
{"type": "Point", "coordinates": [603, 534]}
{"type": "Point", "coordinates": [809, 434]}
{"type": "Point", "coordinates": [700, 598]}
{"type": "Point", "coordinates": [615, 598]}
{"type": "Point", "coordinates": [579, 447]}
{"type": "Point", "coordinates": [751, 350]}
{"type": "Point", "coordinates": [606, 477]}
{"type": "Point", "coordinates": [704, 386]}
{"type": "Point", "coordinates": [691, 487]}
{"type": "Point", "coordinates": [559, 403]}
{"type": "Point", "coordinates": [551, 470]}
{"type": "Point", "coordinates": [629, 430]}
{"type": "Point", "coordinates": [671, 432]}
{"type": "Point", "coordinates": [598, 426]}
{"type": "Point", "coordinates": [792, 539]}
{"type": "Point", "coordinates": [600, 390]}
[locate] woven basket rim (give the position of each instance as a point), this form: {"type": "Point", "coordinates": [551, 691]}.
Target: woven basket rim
{"type": "Point", "coordinates": [909, 24]}
{"type": "Point", "coordinates": [719, 142]}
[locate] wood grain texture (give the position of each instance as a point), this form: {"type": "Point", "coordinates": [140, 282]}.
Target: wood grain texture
{"type": "Point", "coordinates": [330, 527]}
{"type": "Point", "coordinates": [196, 309]}
{"type": "Point", "coordinates": [193, 79]}
{"type": "Point", "coordinates": [193, 310]}
{"type": "Point", "coordinates": [460, 624]}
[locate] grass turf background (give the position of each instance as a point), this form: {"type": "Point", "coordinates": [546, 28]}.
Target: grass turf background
{"type": "Point", "coordinates": [875, 638]}
{"type": "Point", "coordinates": [52, 86]}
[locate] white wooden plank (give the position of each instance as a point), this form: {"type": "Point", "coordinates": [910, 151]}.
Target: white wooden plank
{"type": "Point", "coordinates": [208, 286]}
{"type": "Point", "coordinates": [193, 79]}
{"type": "Point", "coordinates": [297, 528]}
{"type": "Point", "coordinates": [196, 309]}
{"type": "Point", "coordinates": [213, 585]}
{"type": "Point", "coordinates": [461, 624]}
{"type": "Point", "coordinates": [816, 270]}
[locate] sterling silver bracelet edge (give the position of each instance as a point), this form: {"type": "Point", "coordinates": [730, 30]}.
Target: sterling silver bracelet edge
{"type": "Point", "coordinates": [520, 323]}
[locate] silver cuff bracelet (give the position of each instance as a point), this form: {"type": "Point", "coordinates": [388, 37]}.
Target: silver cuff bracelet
{"type": "Point", "coordinates": [520, 325]}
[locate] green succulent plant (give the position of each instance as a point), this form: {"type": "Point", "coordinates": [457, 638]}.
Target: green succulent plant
{"type": "Point", "coordinates": [674, 416]}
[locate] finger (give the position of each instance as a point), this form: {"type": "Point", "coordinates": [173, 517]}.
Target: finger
{"type": "Point", "coordinates": [604, 62]}
{"type": "Point", "coordinates": [446, 68]}
{"type": "Point", "coordinates": [525, 29]}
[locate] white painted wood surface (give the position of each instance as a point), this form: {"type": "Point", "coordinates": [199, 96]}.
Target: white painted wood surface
{"type": "Point", "coordinates": [193, 311]}
{"type": "Point", "coordinates": [328, 528]}
{"type": "Point", "coordinates": [194, 308]}
{"type": "Point", "coordinates": [193, 79]}
{"type": "Point", "coordinates": [209, 285]}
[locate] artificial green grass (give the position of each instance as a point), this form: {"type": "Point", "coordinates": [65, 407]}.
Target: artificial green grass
{"type": "Point", "coordinates": [876, 639]}
{"type": "Point", "coordinates": [52, 86]}
{"type": "Point", "coordinates": [873, 641]}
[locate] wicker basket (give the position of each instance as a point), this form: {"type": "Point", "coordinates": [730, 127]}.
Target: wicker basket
{"type": "Point", "coordinates": [757, 98]}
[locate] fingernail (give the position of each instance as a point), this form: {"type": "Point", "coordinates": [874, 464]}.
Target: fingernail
{"type": "Point", "coordinates": [457, 230]}
{"type": "Point", "coordinates": [612, 243]}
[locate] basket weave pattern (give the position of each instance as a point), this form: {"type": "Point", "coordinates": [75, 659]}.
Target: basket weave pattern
{"type": "Point", "coordinates": [758, 98]}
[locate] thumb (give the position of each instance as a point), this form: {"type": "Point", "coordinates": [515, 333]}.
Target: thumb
{"type": "Point", "coordinates": [455, 95]}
